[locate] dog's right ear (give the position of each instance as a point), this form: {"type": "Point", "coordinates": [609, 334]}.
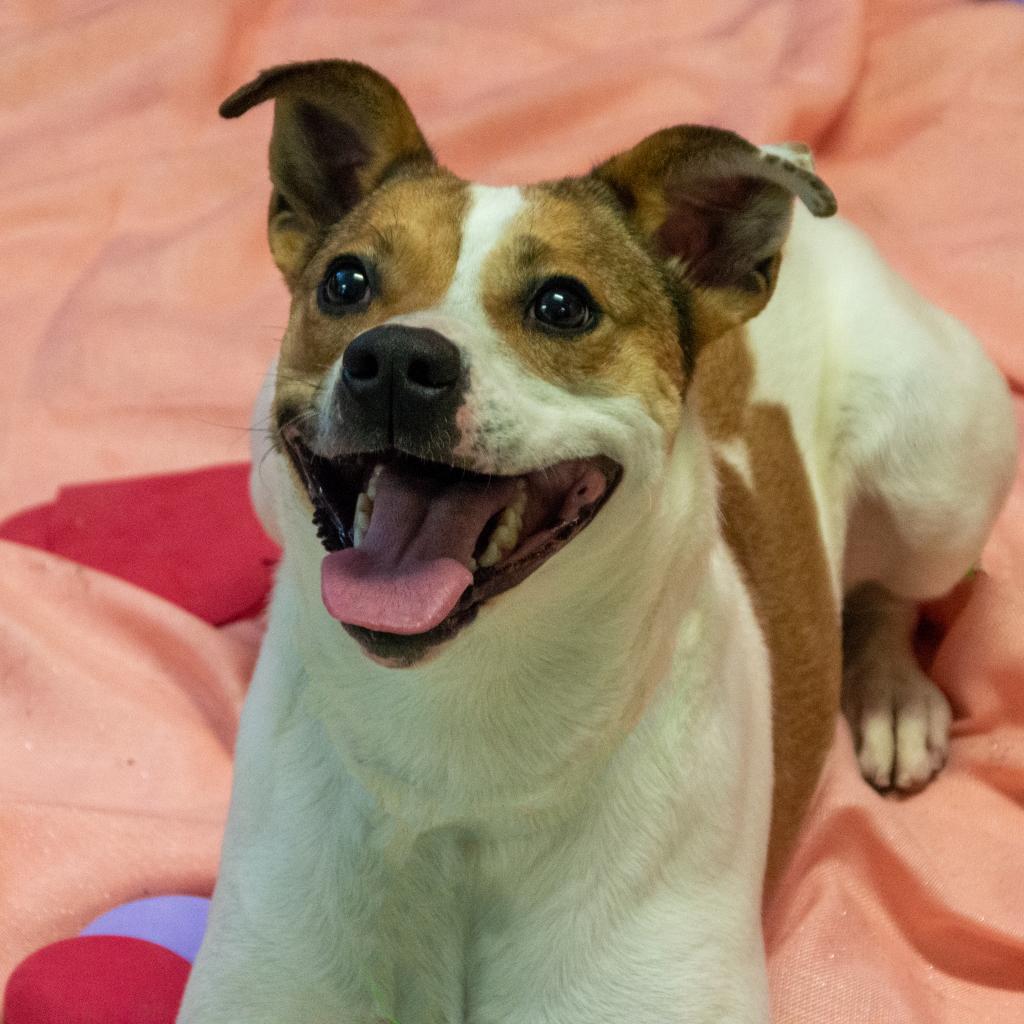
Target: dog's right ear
{"type": "Point", "coordinates": [339, 129]}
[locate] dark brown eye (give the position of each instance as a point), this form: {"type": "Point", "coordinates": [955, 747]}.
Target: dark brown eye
{"type": "Point", "coordinates": [345, 286]}
{"type": "Point", "coordinates": [563, 304]}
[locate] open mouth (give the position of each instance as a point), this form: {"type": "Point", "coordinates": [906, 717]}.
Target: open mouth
{"type": "Point", "coordinates": [415, 547]}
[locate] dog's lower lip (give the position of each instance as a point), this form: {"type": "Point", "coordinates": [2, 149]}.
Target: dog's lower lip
{"type": "Point", "coordinates": [334, 484]}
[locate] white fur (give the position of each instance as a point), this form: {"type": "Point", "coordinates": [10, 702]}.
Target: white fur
{"type": "Point", "coordinates": [909, 438]}
{"type": "Point", "coordinates": [523, 421]}
{"type": "Point", "coordinates": [550, 822]}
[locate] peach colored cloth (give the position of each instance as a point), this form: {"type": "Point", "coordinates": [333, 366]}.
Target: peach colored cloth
{"type": "Point", "coordinates": [139, 308]}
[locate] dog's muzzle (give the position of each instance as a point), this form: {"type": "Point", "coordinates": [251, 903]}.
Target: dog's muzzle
{"type": "Point", "coordinates": [400, 388]}
{"type": "Point", "coordinates": [416, 538]}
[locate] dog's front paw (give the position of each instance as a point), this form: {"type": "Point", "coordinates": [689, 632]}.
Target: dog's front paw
{"type": "Point", "coordinates": [900, 721]}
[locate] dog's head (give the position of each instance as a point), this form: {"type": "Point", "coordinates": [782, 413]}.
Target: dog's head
{"type": "Point", "coordinates": [470, 373]}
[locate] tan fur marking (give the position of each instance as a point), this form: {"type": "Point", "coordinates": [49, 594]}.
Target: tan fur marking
{"type": "Point", "coordinates": [724, 380]}
{"type": "Point", "coordinates": [408, 232]}
{"type": "Point", "coordinates": [773, 531]}
{"type": "Point", "coordinates": [634, 349]}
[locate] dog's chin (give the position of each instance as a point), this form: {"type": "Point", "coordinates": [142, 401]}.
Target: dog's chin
{"type": "Point", "coordinates": [414, 548]}
{"type": "Point", "coordinates": [393, 650]}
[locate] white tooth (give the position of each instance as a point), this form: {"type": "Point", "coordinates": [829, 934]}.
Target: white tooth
{"type": "Point", "coordinates": [503, 538]}
{"type": "Point", "coordinates": [506, 534]}
{"type": "Point", "coordinates": [361, 520]}
{"type": "Point", "coordinates": [472, 565]}
{"type": "Point", "coordinates": [512, 517]}
{"type": "Point", "coordinates": [509, 518]}
{"type": "Point", "coordinates": [371, 487]}
{"type": "Point", "coordinates": [490, 556]}
{"type": "Point", "coordinates": [519, 504]}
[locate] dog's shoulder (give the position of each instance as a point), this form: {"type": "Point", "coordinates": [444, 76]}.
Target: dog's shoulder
{"type": "Point", "coordinates": [773, 507]}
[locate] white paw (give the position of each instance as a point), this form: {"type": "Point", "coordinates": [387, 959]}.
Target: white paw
{"type": "Point", "coordinates": [900, 720]}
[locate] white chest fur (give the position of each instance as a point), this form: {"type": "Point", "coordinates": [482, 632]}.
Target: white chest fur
{"type": "Point", "coordinates": [466, 872]}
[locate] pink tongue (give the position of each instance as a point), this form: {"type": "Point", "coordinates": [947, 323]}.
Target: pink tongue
{"type": "Point", "coordinates": [410, 569]}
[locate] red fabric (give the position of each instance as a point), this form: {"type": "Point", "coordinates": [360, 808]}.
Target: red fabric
{"type": "Point", "coordinates": [190, 538]}
{"type": "Point", "coordinates": [98, 979]}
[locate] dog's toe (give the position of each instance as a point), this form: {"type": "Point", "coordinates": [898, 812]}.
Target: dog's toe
{"type": "Point", "coordinates": [901, 723]}
{"type": "Point", "coordinates": [877, 751]}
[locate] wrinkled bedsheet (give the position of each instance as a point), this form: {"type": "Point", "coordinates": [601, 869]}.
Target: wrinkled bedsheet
{"type": "Point", "coordinates": [139, 309]}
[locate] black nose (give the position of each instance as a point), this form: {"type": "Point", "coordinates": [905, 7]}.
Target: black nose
{"type": "Point", "coordinates": [399, 383]}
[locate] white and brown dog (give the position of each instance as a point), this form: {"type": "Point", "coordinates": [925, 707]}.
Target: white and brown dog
{"type": "Point", "coordinates": [522, 741]}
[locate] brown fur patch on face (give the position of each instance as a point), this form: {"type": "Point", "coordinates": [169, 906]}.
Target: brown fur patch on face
{"type": "Point", "coordinates": [773, 530]}
{"type": "Point", "coordinates": [573, 229]}
{"type": "Point", "coordinates": [407, 233]}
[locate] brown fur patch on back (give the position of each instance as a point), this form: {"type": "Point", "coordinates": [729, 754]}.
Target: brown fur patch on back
{"type": "Point", "coordinates": [407, 233]}
{"type": "Point", "coordinates": [574, 229]}
{"type": "Point", "coordinates": [772, 528]}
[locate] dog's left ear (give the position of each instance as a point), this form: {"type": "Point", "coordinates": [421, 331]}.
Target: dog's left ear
{"type": "Point", "coordinates": [339, 129]}
{"type": "Point", "coordinates": [718, 208]}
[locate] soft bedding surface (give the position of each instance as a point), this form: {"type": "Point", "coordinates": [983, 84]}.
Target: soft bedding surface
{"type": "Point", "coordinates": [139, 309]}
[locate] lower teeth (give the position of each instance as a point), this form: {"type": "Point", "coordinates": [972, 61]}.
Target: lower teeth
{"type": "Point", "coordinates": [361, 523]}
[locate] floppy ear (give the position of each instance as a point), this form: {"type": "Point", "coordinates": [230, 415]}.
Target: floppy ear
{"type": "Point", "coordinates": [339, 129]}
{"type": "Point", "coordinates": [718, 208]}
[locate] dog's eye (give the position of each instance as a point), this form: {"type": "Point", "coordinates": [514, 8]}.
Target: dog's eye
{"type": "Point", "coordinates": [563, 304]}
{"type": "Point", "coordinates": [345, 286]}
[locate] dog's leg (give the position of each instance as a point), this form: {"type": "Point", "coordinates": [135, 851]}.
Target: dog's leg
{"type": "Point", "coordinates": [913, 545]}
{"type": "Point", "coordinates": [934, 447]}
{"type": "Point", "coordinates": [899, 717]}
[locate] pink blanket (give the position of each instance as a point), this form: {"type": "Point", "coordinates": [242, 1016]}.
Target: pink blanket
{"type": "Point", "coordinates": [140, 308]}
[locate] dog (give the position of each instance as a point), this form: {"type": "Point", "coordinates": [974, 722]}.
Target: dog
{"type": "Point", "coordinates": [599, 499]}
